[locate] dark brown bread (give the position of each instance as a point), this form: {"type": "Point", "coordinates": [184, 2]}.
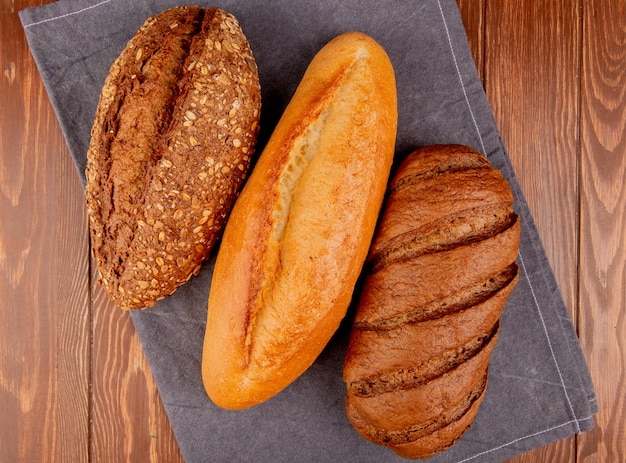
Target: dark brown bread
{"type": "Point", "coordinates": [439, 272]}
{"type": "Point", "coordinates": [171, 143]}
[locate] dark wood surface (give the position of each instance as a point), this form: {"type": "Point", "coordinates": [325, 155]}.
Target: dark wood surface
{"type": "Point", "coordinates": [74, 383]}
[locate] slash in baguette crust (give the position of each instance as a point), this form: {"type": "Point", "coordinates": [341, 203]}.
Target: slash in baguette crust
{"type": "Point", "coordinates": [300, 231]}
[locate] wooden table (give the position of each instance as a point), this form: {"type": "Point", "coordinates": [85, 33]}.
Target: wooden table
{"type": "Point", "coordinates": [74, 383]}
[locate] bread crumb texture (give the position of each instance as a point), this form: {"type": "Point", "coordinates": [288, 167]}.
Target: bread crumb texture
{"type": "Point", "coordinates": [171, 143]}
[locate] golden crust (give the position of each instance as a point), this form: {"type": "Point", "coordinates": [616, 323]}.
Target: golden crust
{"type": "Point", "coordinates": [299, 233]}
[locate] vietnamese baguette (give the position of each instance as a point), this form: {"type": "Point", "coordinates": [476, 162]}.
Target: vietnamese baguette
{"type": "Point", "coordinates": [298, 235]}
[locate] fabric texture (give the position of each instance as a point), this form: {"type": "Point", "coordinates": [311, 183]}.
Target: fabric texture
{"type": "Point", "coordinates": [539, 386]}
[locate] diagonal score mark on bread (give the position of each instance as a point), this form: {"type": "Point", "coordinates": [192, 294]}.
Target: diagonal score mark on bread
{"type": "Point", "coordinates": [299, 233]}
{"type": "Point", "coordinates": [439, 272]}
{"type": "Point", "coordinates": [142, 84]}
{"type": "Point", "coordinates": [424, 405]}
{"type": "Point", "coordinates": [293, 178]}
{"type": "Point", "coordinates": [170, 146]}
{"type": "Point", "coordinates": [468, 297]}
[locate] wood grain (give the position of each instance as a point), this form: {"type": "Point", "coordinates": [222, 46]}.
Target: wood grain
{"type": "Point", "coordinates": [602, 308]}
{"type": "Point", "coordinates": [129, 422]}
{"type": "Point", "coordinates": [473, 17]}
{"type": "Point", "coordinates": [531, 82]}
{"type": "Point", "coordinates": [44, 318]}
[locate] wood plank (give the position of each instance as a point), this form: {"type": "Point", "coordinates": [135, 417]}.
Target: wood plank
{"type": "Point", "coordinates": [531, 68]}
{"type": "Point", "coordinates": [603, 224]}
{"type": "Point", "coordinates": [129, 422]}
{"type": "Point", "coordinates": [531, 83]}
{"type": "Point", "coordinates": [473, 17]}
{"type": "Point", "coordinates": [44, 316]}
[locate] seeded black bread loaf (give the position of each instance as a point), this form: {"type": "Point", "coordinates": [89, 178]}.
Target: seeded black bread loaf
{"type": "Point", "coordinates": [170, 147]}
{"type": "Point", "coordinates": [440, 269]}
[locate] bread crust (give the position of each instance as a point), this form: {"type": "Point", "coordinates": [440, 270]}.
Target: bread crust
{"type": "Point", "coordinates": [171, 143]}
{"type": "Point", "coordinates": [301, 228]}
{"type": "Point", "coordinates": [439, 272]}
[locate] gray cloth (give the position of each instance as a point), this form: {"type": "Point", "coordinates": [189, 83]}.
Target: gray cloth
{"type": "Point", "coordinates": [539, 386]}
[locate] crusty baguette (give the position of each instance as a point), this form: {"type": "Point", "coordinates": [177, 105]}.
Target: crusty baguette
{"type": "Point", "coordinates": [440, 269]}
{"type": "Point", "coordinates": [299, 232]}
{"type": "Point", "coordinates": [171, 143]}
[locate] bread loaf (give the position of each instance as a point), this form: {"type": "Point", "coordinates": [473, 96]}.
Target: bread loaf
{"type": "Point", "coordinates": [439, 272]}
{"type": "Point", "coordinates": [174, 130]}
{"type": "Point", "coordinates": [299, 232]}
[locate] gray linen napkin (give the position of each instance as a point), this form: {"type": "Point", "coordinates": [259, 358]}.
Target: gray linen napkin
{"type": "Point", "coordinates": [539, 386]}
